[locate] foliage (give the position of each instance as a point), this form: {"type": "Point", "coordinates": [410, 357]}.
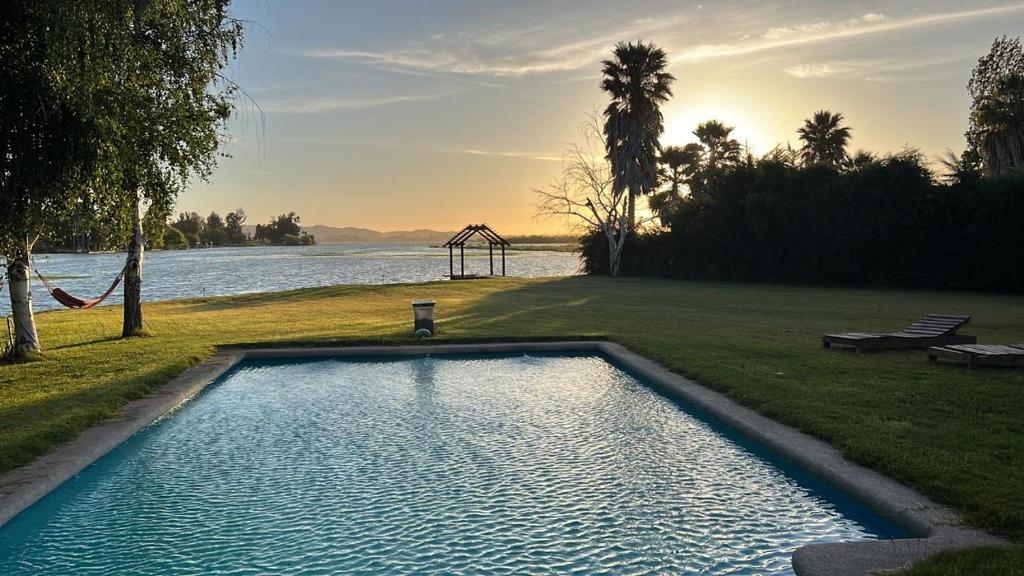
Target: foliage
{"type": "Point", "coordinates": [638, 83]}
{"type": "Point", "coordinates": [825, 140]}
{"type": "Point", "coordinates": [720, 149]}
{"type": "Point", "coordinates": [191, 226]}
{"type": "Point", "coordinates": [212, 230]}
{"type": "Point", "coordinates": [887, 223]}
{"type": "Point", "coordinates": [46, 144]}
{"type": "Point", "coordinates": [174, 239]}
{"type": "Point", "coordinates": [996, 89]}
{"type": "Point", "coordinates": [283, 230]}
{"type": "Point", "coordinates": [233, 224]}
{"type": "Point", "coordinates": [679, 166]}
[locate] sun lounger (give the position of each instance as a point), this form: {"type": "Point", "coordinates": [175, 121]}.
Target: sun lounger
{"type": "Point", "coordinates": [979, 354]}
{"type": "Point", "coordinates": [932, 330]}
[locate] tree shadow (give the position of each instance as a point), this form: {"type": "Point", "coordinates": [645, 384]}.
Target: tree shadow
{"type": "Point", "coordinates": [257, 299]}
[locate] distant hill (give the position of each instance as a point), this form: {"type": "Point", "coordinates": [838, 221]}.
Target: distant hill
{"type": "Point", "coordinates": [353, 235]}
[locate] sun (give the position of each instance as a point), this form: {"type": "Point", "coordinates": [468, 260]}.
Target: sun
{"type": "Point", "coordinates": [681, 120]}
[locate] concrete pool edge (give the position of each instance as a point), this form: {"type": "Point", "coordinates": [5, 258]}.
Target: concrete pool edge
{"type": "Point", "coordinates": [938, 525]}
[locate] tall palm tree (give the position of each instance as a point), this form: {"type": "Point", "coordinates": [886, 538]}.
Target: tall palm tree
{"type": "Point", "coordinates": [825, 139]}
{"type": "Point", "coordinates": [638, 83]}
{"type": "Point", "coordinates": [720, 148]}
{"type": "Point", "coordinates": [999, 120]}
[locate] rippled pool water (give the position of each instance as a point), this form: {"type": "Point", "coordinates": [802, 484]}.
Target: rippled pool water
{"type": "Point", "coordinates": [437, 465]}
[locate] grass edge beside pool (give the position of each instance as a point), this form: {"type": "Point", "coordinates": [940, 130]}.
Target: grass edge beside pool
{"type": "Point", "coordinates": [758, 344]}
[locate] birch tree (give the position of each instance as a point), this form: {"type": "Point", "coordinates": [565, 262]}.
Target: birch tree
{"type": "Point", "coordinates": [47, 146]}
{"type": "Point", "coordinates": [171, 107]}
{"type": "Point", "coordinates": [585, 193]}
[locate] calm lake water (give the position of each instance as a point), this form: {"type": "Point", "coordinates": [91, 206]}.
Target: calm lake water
{"type": "Point", "coordinates": [222, 271]}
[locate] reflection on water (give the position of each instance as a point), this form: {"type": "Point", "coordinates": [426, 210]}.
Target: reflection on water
{"type": "Point", "coordinates": [222, 271]}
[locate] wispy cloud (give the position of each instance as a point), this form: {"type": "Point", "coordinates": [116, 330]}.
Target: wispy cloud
{"type": "Point", "coordinates": [534, 50]}
{"type": "Point", "coordinates": [315, 105]}
{"type": "Point", "coordinates": [823, 32]}
{"type": "Point", "coordinates": [526, 155]}
{"type": "Point", "coordinates": [551, 48]}
{"type": "Point", "coordinates": [867, 69]}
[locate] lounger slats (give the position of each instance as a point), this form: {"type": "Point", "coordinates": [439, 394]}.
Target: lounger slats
{"type": "Point", "coordinates": [979, 354]}
{"type": "Point", "coordinates": [932, 330]}
{"type": "Point", "coordinates": [943, 323]}
{"type": "Point", "coordinates": [940, 325]}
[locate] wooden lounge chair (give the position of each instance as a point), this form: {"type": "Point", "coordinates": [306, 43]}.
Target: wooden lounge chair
{"type": "Point", "coordinates": [932, 330]}
{"type": "Point", "coordinates": [978, 354]}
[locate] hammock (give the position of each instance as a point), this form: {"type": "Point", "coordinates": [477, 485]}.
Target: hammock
{"type": "Point", "coordinates": [73, 302]}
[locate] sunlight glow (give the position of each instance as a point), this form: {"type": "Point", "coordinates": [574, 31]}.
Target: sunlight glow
{"type": "Point", "coordinates": [681, 121]}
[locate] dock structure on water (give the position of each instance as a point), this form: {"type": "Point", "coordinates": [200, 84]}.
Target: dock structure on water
{"type": "Point", "coordinates": [459, 240]}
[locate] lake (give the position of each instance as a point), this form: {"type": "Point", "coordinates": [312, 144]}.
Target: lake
{"type": "Point", "coordinates": [176, 274]}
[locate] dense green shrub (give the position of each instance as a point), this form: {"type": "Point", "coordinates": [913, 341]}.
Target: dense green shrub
{"type": "Point", "coordinates": [886, 224]}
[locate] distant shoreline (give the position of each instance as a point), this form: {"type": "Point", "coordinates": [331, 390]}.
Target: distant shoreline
{"type": "Point", "coordinates": [515, 247]}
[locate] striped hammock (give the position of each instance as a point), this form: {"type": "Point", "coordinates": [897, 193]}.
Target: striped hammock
{"type": "Point", "coordinates": [70, 301]}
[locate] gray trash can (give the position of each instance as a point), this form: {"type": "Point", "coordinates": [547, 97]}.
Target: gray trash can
{"type": "Point", "coordinates": [423, 317]}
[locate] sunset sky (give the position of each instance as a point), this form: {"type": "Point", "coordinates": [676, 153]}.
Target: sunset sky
{"type": "Point", "coordinates": [432, 114]}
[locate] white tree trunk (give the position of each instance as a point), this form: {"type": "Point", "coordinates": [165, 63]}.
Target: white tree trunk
{"type": "Point", "coordinates": [133, 277]}
{"type": "Point", "coordinates": [19, 278]}
{"type": "Point", "coordinates": [614, 252]}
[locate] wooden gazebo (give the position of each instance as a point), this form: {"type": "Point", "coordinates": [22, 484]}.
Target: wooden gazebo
{"type": "Point", "coordinates": [484, 231]}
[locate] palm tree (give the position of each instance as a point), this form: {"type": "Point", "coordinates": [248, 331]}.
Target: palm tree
{"type": "Point", "coordinates": [678, 167]}
{"type": "Point", "coordinates": [637, 81]}
{"type": "Point", "coordinates": [861, 159]}
{"type": "Point", "coordinates": [720, 148]}
{"type": "Point", "coordinates": [825, 140]}
{"type": "Point", "coordinates": [999, 119]}
{"type": "Point", "coordinates": [962, 168]}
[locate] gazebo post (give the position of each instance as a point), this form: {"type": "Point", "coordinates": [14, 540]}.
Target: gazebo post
{"type": "Point", "coordinates": [459, 239]}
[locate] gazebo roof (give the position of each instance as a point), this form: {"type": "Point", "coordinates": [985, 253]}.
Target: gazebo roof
{"type": "Point", "coordinates": [492, 237]}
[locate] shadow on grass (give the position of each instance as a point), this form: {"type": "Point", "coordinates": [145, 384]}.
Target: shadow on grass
{"type": "Point", "coordinates": [218, 303]}
{"type": "Point", "coordinates": [103, 340]}
{"type": "Point", "coordinates": [65, 416]}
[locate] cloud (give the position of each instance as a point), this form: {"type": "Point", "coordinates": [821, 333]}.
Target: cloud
{"type": "Point", "coordinates": [823, 32]}
{"type": "Point", "coordinates": [526, 155]}
{"type": "Point", "coordinates": [534, 50]}
{"type": "Point", "coordinates": [553, 47]}
{"type": "Point", "coordinates": [871, 70]}
{"type": "Point", "coordinates": [315, 105]}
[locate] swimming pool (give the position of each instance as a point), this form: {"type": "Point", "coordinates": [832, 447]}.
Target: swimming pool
{"type": "Point", "coordinates": [449, 464]}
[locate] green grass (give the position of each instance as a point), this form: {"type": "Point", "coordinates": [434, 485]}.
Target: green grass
{"type": "Point", "coordinates": [954, 434]}
{"type": "Point", "coordinates": [983, 561]}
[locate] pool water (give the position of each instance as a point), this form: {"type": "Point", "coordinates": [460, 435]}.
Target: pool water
{"type": "Point", "coordinates": [431, 465]}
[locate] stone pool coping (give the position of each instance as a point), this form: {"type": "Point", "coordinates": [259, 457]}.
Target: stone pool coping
{"type": "Point", "coordinates": [933, 527]}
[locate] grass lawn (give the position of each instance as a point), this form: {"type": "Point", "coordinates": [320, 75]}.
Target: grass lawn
{"type": "Point", "coordinates": [954, 434]}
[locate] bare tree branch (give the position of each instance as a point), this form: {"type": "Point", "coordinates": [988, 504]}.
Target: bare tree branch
{"type": "Point", "coordinates": [585, 192]}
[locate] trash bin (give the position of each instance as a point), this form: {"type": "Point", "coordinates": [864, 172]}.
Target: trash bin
{"type": "Point", "coordinates": [423, 318]}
